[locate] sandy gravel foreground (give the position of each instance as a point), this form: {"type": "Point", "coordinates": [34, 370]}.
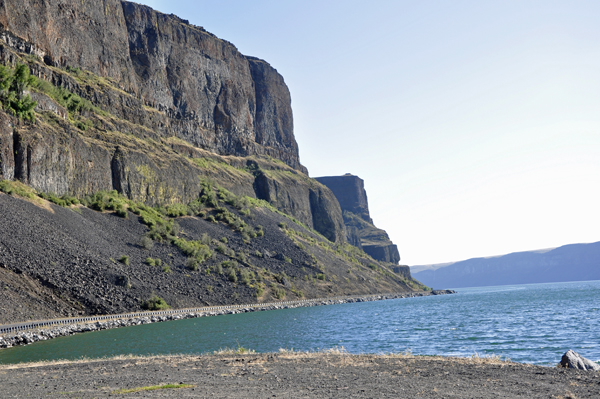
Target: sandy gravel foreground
{"type": "Point", "coordinates": [296, 375]}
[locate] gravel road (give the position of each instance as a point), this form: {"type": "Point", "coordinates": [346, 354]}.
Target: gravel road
{"type": "Point", "coordinates": [297, 375]}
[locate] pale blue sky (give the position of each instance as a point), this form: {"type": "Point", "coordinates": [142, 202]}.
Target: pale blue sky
{"type": "Point", "coordinates": [475, 124]}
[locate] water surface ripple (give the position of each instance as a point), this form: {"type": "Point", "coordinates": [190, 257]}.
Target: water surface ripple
{"type": "Point", "coordinates": [534, 323]}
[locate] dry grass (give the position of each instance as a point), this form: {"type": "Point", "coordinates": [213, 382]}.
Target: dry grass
{"type": "Point", "coordinates": [289, 354]}
{"type": "Point", "coordinates": [234, 351]}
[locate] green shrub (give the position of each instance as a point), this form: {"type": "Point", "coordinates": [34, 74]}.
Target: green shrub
{"type": "Point", "coordinates": [320, 276]}
{"type": "Point", "coordinates": [121, 213]}
{"type": "Point", "coordinates": [167, 269]}
{"type": "Point", "coordinates": [155, 303]}
{"type": "Point", "coordinates": [259, 291]}
{"type": "Point", "coordinates": [64, 200]}
{"type": "Point", "coordinates": [241, 257]}
{"type": "Point", "coordinates": [124, 260]}
{"type": "Point", "coordinates": [17, 188]}
{"type": "Point", "coordinates": [150, 262]}
{"type": "Point", "coordinates": [177, 210]}
{"type": "Point", "coordinates": [232, 275]}
{"type": "Point", "coordinates": [245, 276]}
{"type": "Point", "coordinates": [283, 225]}
{"type": "Point", "coordinates": [279, 293]}
{"type": "Point", "coordinates": [205, 239]}
{"type": "Point", "coordinates": [224, 240]}
{"type": "Point", "coordinates": [193, 248]}
{"type": "Point", "coordinates": [245, 236]}
{"type": "Point", "coordinates": [192, 263]}
{"type": "Point", "coordinates": [146, 243]}
{"type": "Point", "coordinates": [12, 87]}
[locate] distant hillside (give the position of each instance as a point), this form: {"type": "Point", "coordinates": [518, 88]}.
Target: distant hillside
{"type": "Point", "coordinates": [576, 262]}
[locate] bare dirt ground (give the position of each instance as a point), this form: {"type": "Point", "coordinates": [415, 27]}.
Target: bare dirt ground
{"type": "Point", "coordinates": [296, 375]}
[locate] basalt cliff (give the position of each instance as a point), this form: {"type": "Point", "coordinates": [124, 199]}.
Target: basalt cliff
{"type": "Point", "coordinates": [158, 161]}
{"type": "Point", "coordinates": [360, 230]}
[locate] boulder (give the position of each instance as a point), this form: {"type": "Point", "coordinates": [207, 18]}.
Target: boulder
{"type": "Point", "coordinates": [574, 360]}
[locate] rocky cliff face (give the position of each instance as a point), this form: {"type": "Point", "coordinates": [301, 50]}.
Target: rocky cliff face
{"type": "Point", "coordinates": [204, 90]}
{"type": "Point", "coordinates": [168, 115]}
{"type": "Point", "coordinates": [360, 231]}
{"type": "Point", "coordinates": [169, 104]}
{"type": "Point", "coordinates": [350, 192]}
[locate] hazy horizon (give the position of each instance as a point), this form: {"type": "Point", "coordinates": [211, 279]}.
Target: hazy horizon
{"type": "Point", "coordinates": [474, 125]}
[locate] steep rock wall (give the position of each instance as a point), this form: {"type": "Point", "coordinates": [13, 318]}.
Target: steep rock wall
{"type": "Point", "coordinates": [350, 192]}
{"type": "Point", "coordinates": [7, 159]}
{"type": "Point", "coordinates": [360, 231]}
{"type": "Point", "coordinates": [87, 34]}
{"type": "Point", "coordinates": [310, 202]}
{"type": "Point", "coordinates": [174, 99]}
{"type": "Point", "coordinates": [205, 91]}
{"type": "Point", "coordinates": [53, 156]}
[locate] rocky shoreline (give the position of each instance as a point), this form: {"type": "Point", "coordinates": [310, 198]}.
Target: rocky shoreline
{"type": "Point", "coordinates": [328, 374]}
{"type": "Point", "coordinates": [43, 334]}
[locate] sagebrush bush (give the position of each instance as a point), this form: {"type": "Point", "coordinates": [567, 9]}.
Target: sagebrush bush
{"type": "Point", "coordinates": [156, 303]}
{"type": "Point", "coordinates": [232, 275]}
{"type": "Point", "coordinates": [245, 276]}
{"type": "Point", "coordinates": [146, 242]}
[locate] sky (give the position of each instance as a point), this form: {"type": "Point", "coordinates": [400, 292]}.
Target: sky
{"type": "Point", "coordinates": [474, 124]}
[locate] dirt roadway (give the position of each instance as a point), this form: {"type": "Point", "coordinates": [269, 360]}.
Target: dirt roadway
{"type": "Point", "coordinates": [297, 375]}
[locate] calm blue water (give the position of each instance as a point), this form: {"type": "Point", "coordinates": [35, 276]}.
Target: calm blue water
{"type": "Point", "coordinates": [533, 323]}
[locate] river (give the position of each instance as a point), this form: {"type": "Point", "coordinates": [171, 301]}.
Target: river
{"type": "Point", "coordinates": [533, 323]}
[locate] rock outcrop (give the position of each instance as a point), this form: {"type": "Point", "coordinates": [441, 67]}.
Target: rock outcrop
{"type": "Point", "coordinates": [350, 192]}
{"type": "Point", "coordinates": [171, 138]}
{"type": "Point", "coordinates": [360, 231]}
{"type": "Point", "coordinates": [192, 84]}
{"type": "Point", "coordinates": [169, 104]}
{"type": "Point", "coordinates": [574, 360]}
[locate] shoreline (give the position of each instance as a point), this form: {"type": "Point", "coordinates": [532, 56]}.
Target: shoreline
{"type": "Point", "coordinates": [325, 374]}
{"type": "Point", "coordinates": [49, 329]}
